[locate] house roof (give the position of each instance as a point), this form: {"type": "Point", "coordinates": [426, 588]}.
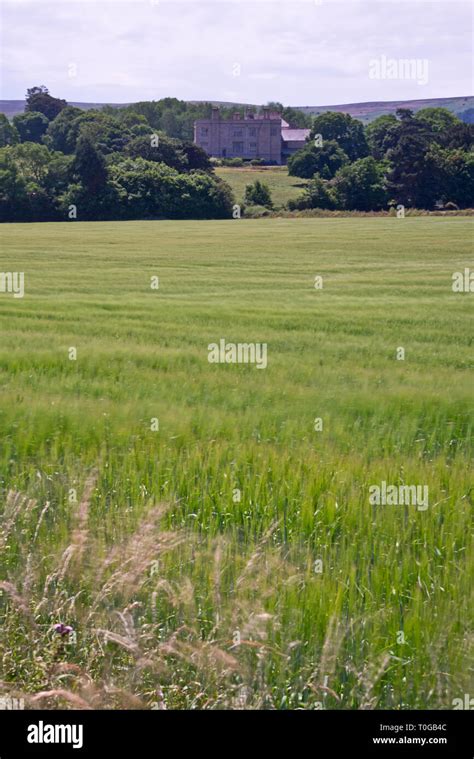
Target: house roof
{"type": "Point", "coordinates": [294, 135]}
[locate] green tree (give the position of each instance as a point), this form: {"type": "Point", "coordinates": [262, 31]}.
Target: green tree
{"type": "Point", "coordinates": [379, 134]}
{"type": "Point", "coordinates": [361, 186]}
{"type": "Point", "coordinates": [8, 133]}
{"type": "Point", "coordinates": [107, 133]}
{"type": "Point", "coordinates": [410, 179]}
{"type": "Point", "coordinates": [154, 190]}
{"type": "Point", "coordinates": [452, 175]}
{"type": "Point", "coordinates": [317, 194]}
{"type": "Point", "coordinates": [32, 161]}
{"type": "Point", "coordinates": [196, 157]}
{"type": "Point", "coordinates": [14, 205]}
{"type": "Point", "coordinates": [460, 135]}
{"type": "Point", "coordinates": [346, 131]}
{"type": "Point", "coordinates": [311, 160]}
{"type": "Point", "coordinates": [438, 119]}
{"type": "Point", "coordinates": [258, 194]}
{"type": "Point", "coordinates": [89, 166]}
{"type": "Point", "coordinates": [159, 148]}
{"type": "Point", "coordinates": [31, 126]}
{"type": "Point", "coordinates": [39, 100]}
{"type": "Point", "coordinates": [64, 130]}
{"type": "Point", "coordinates": [296, 119]}
{"type": "Point", "coordinates": [467, 116]}
{"type": "Point", "coordinates": [169, 123]}
{"type": "Point", "coordinates": [25, 195]}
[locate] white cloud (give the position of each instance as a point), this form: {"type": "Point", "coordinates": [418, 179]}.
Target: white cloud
{"type": "Point", "coordinates": [297, 52]}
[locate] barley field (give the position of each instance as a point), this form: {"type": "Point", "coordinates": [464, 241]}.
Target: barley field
{"type": "Point", "coordinates": [205, 530]}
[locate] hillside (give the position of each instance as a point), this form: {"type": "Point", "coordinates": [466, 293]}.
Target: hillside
{"type": "Point", "coordinates": [366, 112]}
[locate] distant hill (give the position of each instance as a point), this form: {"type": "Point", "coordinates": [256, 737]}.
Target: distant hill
{"type": "Point", "coordinates": [366, 112]}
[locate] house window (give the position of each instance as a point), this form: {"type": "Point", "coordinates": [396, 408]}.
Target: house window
{"type": "Point", "coordinates": [204, 131]}
{"type": "Point", "coordinates": [253, 147]}
{"type": "Point", "coordinates": [273, 131]}
{"type": "Point", "coordinates": [238, 133]}
{"type": "Point", "coordinates": [238, 148]}
{"type": "Point", "coordinates": [252, 131]}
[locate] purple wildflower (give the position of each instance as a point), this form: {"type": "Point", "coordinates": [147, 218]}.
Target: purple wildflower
{"type": "Point", "coordinates": [62, 630]}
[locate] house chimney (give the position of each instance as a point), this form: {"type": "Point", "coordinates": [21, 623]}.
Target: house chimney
{"type": "Point", "coordinates": [266, 112]}
{"type": "Point", "coordinates": [215, 113]}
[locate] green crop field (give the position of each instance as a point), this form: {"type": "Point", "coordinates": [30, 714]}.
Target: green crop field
{"type": "Point", "coordinates": [281, 185]}
{"type": "Point", "coordinates": [206, 528]}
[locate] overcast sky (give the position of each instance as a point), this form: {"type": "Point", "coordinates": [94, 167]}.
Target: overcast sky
{"type": "Point", "coordinates": [299, 52]}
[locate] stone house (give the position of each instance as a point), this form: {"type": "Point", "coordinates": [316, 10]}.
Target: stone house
{"type": "Point", "coordinates": [266, 136]}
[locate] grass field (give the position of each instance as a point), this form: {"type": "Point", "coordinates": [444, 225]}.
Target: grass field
{"type": "Point", "coordinates": [301, 594]}
{"type": "Point", "coordinates": [282, 186]}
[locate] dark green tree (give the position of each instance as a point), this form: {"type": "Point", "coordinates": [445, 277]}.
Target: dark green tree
{"type": "Point", "coordinates": [467, 116]}
{"type": "Point", "coordinates": [196, 157]}
{"type": "Point", "coordinates": [8, 133]}
{"type": "Point", "coordinates": [460, 135]}
{"type": "Point", "coordinates": [410, 179]}
{"type": "Point", "coordinates": [160, 148]}
{"type": "Point", "coordinates": [31, 126]}
{"type": "Point", "coordinates": [452, 175]}
{"type": "Point", "coordinates": [361, 186]}
{"type": "Point", "coordinates": [311, 160]}
{"type": "Point", "coordinates": [380, 133]}
{"type": "Point", "coordinates": [64, 130]}
{"type": "Point", "coordinates": [39, 100]}
{"type": "Point", "coordinates": [89, 166]}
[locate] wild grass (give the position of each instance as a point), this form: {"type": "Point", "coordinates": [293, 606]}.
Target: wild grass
{"type": "Point", "coordinates": [180, 595]}
{"type": "Point", "coordinates": [281, 185]}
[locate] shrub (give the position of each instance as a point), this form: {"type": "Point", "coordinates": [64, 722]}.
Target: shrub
{"type": "Point", "coordinates": [317, 194]}
{"type": "Point", "coordinates": [232, 162]}
{"type": "Point", "coordinates": [361, 186]}
{"type": "Point", "coordinates": [154, 190]}
{"type": "Point", "coordinates": [258, 194]}
{"type": "Point", "coordinates": [311, 160]}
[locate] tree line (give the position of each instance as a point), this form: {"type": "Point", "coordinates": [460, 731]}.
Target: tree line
{"type": "Point", "coordinates": [418, 161]}
{"type": "Point", "coordinates": [58, 162]}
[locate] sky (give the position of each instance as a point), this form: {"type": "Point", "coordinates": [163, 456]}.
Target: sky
{"type": "Point", "coordinates": [297, 52]}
